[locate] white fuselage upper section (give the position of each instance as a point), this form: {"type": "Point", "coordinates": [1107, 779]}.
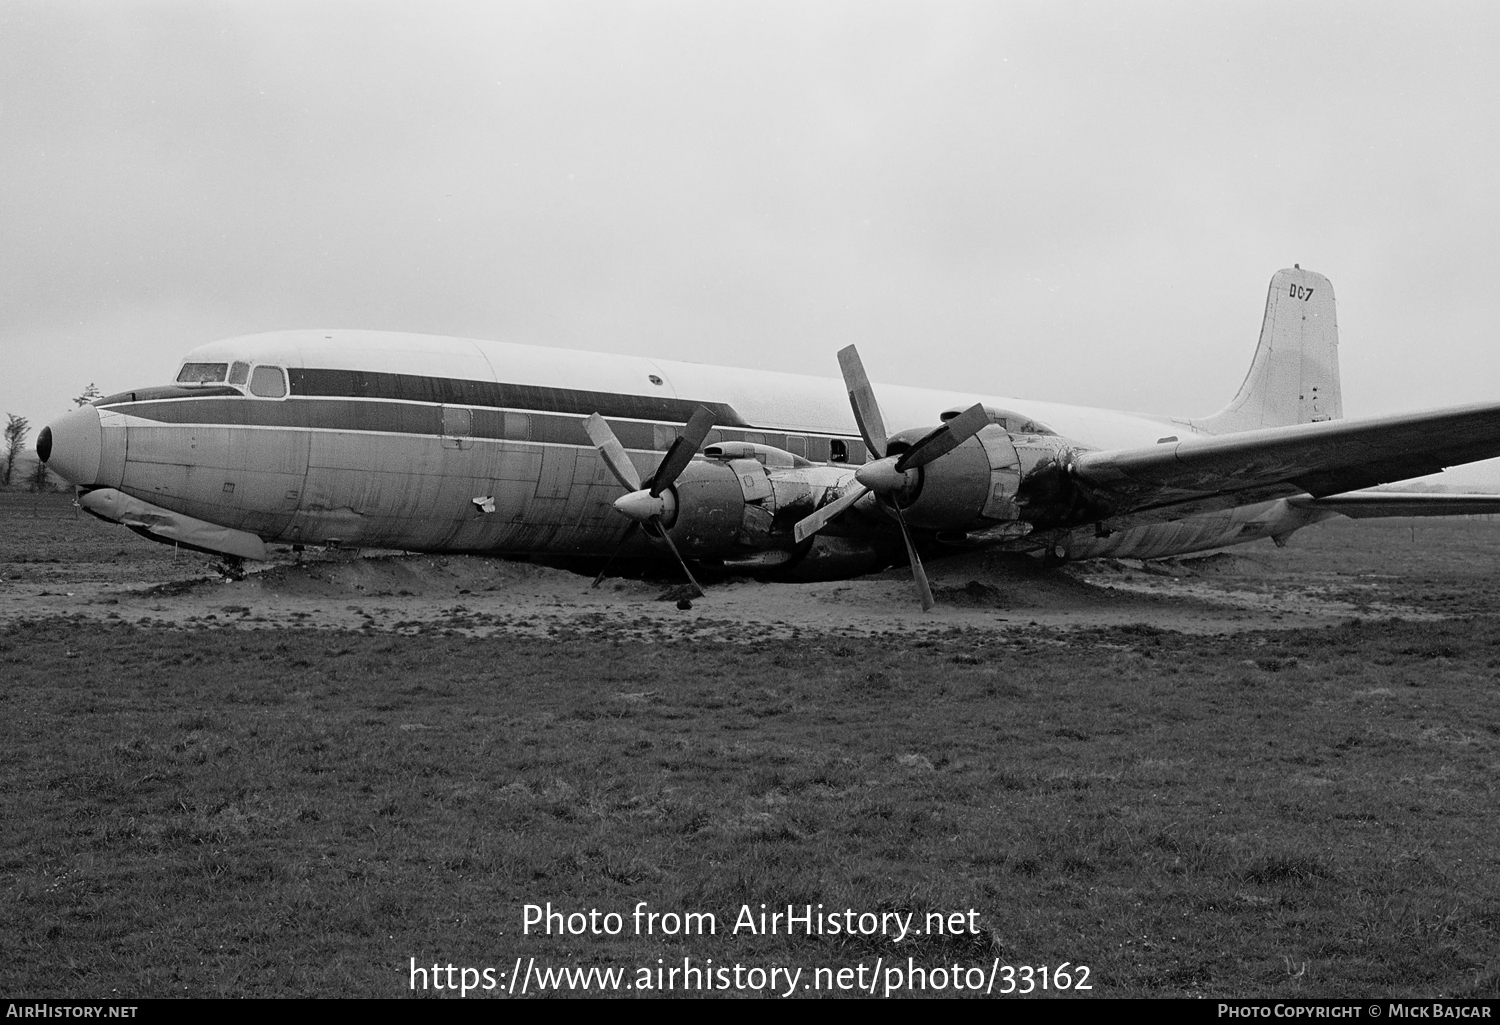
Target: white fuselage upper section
{"type": "Point", "coordinates": [766, 399]}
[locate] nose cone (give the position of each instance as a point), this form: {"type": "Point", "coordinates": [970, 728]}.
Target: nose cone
{"type": "Point", "coordinates": [71, 445]}
{"type": "Point", "coordinates": [881, 476]}
{"type": "Point", "coordinates": [641, 506]}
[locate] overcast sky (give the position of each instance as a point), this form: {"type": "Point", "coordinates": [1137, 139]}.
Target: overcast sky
{"type": "Point", "coordinates": [1075, 202]}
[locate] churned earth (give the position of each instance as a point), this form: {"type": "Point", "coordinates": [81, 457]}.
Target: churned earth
{"type": "Point", "coordinates": [56, 562]}
{"type": "Point", "coordinates": [1260, 773]}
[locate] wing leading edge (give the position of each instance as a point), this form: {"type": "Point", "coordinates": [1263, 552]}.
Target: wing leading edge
{"type": "Point", "coordinates": [1317, 459]}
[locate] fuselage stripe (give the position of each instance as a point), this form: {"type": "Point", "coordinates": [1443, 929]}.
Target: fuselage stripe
{"type": "Point", "coordinates": [427, 419]}
{"type": "Point", "coordinates": [367, 384]}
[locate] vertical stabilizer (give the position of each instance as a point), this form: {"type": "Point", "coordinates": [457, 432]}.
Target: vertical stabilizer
{"type": "Point", "coordinates": [1294, 378]}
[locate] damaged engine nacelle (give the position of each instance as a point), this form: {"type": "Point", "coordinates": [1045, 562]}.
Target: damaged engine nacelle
{"type": "Point", "coordinates": [723, 507]}
{"type": "Point", "coordinates": [995, 478]}
{"type": "Point", "coordinates": [736, 508]}
{"type": "Point", "coordinates": [740, 507]}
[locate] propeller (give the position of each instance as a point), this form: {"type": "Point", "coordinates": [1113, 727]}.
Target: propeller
{"type": "Point", "coordinates": [648, 503]}
{"type": "Point", "coordinates": [888, 475]}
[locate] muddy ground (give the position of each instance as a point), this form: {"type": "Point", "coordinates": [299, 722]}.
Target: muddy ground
{"type": "Point", "coordinates": [307, 781]}
{"type": "Point", "coordinates": [55, 562]}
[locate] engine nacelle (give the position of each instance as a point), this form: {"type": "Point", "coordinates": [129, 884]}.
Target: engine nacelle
{"type": "Point", "coordinates": [982, 482]}
{"type": "Point", "coordinates": [724, 507]}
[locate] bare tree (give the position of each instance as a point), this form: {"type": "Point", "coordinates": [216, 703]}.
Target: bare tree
{"type": "Point", "coordinates": [16, 429]}
{"type": "Point", "coordinates": [90, 393]}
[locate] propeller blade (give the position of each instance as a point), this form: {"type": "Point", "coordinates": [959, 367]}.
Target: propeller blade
{"type": "Point", "coordinates": [629, 533]}
{"type": "Point", "coordinates": [945, 439]}
{"type": "Point", "coordinates": [810, 525]}
{"type": "Point", "coordinates": [612, 452]}
{"type": "Point", "coordinates": [862, 398]}
{"type": "Point", "coordinates": [662, 533]}
{"type": "Point", "coordinates": [918, 574]}
{"type": "Point", "coordinates": [682, 451]}
{"type": "Point", "coordinates": [637, 503]}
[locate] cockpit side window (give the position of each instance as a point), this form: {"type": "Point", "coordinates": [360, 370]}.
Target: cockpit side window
{"type": "Point", "coordinates": [1007, 421]}
{"type": "Point", "coordinates": [202, 373]}
{"type": "Point", "coordinates": [268, 382]}
{"type": "Point", "coordinates": [238, 372]}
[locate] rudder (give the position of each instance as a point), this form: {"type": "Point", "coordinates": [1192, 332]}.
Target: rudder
{"type": "Point", "coordinates": [1294, 378]}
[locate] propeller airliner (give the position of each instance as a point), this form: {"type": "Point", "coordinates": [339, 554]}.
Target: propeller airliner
{"type": "Point", "coordinates": [400, 441]}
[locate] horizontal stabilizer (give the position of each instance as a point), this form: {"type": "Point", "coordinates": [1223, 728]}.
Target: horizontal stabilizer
{"type": "Point", "coordinates": [1366, 505]}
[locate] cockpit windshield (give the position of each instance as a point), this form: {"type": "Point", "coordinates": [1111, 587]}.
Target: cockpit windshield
{"type": "Point", "coordinates": [202, 373]}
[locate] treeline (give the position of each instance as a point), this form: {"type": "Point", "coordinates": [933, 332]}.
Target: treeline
{"type": "Point", "coordinates": [13, 471]}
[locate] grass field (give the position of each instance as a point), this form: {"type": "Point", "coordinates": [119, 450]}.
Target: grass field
{"type": "Point", "coordinates": [213, 814]}
{"type": "Point", "coordinates": [294, 812]}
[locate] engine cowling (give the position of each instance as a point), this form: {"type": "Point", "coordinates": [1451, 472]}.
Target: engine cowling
{"type": "Point", "coordinates": [723, 507]}
{"type": "Point", "coordinates": [988, 480]}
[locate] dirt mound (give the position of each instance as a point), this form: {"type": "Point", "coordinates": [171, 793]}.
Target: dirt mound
{"type": "Point", "coordinates": [403, 576]}
{"type": "Point", "coordinates": [1007, 580]}
{"type": "Point", "coordinates": [1220, 564]}
{"type": "Point", "coordinates": [1224, 564]}
{"type": "Point", "coordinates": [172, 588]}
{"type": "Point", "coordinates": [973, 595]}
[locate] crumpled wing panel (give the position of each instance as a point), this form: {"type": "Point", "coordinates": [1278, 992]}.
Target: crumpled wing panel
{"type": "Point", "coordinates": [1320, 459]}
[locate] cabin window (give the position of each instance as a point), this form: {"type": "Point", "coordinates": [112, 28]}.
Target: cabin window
{"type": "Point", "coordinates": [838, 451]}
{"type": "Point", "coordinates": [517, 427]}
{"type": "Point", "coordinates": [458, 422]}
{"type": "Point", "coordinates": [755, 439]}
{"type": "Point", "coordinates": [796, 444]}
{"type": "Point", "coordinates": [239, 372]}
{"type": "Point", "coordinates": [268, 383]}
{"type": "Point", "coordinates": [202, 373]}
{"type": "Point", "coordinates": [662, 437]}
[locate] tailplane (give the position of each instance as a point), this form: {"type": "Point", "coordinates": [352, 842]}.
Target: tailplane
{"type": "Point", "coordinates": [1294, 378]}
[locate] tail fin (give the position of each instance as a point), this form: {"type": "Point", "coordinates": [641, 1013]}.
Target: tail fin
{"type": "Point", "coordinates": [1294, 378]}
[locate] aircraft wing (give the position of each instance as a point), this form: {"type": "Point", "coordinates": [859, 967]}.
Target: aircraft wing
{"type": "Point", "coordinates": [1317, 459]}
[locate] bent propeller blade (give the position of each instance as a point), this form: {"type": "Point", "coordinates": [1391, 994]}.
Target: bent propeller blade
{"type": "Point", "coordinates": [810, 525]}
{"type": "Point", "coordinates": [862, 398]}
{"type": "Point", "coordinates": [612, 452]}
{"type": "Point", "coordinates": [944, 439]}
{"type": "Point", "coordinates": [629, 533]}
{"type": "Point", "coordinates": [662, 533]}
{"type": "Point", "coordinates": [683, 449]}
{"type": "Point", "coordinates": [918, 574]}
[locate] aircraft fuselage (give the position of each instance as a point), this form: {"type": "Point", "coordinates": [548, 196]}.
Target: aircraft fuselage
{"type": "Point", "coordinates": [412, 442]}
